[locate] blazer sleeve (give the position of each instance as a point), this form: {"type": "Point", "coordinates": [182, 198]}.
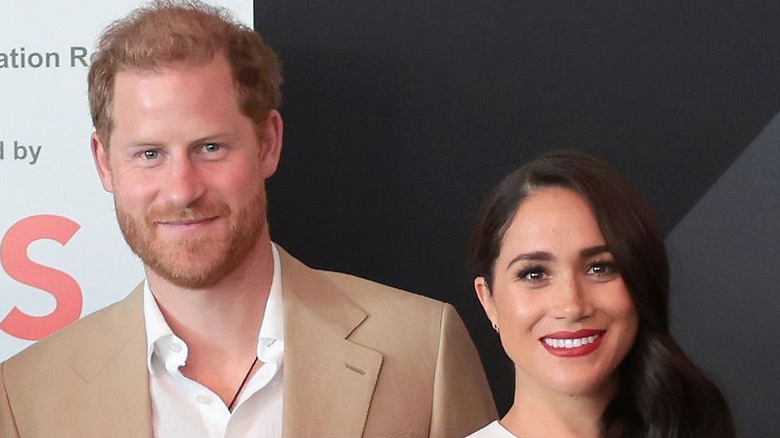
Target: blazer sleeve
{"type": "Point", "coordinates": [462, 401]}
{"type": "Point", "coordinates": [7, 423]}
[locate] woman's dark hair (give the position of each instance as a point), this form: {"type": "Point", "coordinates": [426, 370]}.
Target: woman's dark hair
{"type": "Point", "coordinates": [662, 393]}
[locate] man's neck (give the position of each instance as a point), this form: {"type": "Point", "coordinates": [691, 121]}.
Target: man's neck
{"type": "Point", "coordinates": [220, 324]}
{"type": "Point", "coordinates": [223, 320]}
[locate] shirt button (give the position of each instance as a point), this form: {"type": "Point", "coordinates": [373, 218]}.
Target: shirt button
{"type": "Point", "coordinates": [204, 399]}
{"type": "Point", "coordinates": [175, 348]}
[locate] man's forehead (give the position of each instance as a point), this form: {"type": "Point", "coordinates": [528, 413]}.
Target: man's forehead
{"type": "Point", "coordinates": [168, 64]}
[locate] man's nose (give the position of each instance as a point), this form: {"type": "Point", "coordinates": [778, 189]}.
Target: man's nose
{"type": "Point", "coordinates": [185, 183]}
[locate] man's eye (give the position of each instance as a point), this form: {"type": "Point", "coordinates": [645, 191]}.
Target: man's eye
{"type": "Point", "coordinates": [151, 154]}
{"type": "Point", "coordinates": [211, 147]}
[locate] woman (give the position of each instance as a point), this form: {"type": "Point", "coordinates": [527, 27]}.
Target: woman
{"type": "Point", "coordinates": [572, 273]}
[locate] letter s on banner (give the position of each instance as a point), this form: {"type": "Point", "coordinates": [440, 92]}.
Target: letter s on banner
{"type": "Point", "coordinates": [66, 291]}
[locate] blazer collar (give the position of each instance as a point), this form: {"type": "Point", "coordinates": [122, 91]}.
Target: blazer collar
{"type": "Point", "coordinates": [112, 363]}
{"type": "Point", "coordinates": [328, 380]}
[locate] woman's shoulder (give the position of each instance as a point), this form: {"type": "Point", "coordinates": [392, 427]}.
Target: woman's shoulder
{"type": "Point", "coordinates": [492, 430]}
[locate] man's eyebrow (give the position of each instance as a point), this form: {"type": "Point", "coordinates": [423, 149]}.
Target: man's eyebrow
{"type": "Point", "coordinates": [214, 137]}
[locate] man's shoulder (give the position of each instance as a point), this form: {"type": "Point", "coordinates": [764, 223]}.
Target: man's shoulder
{"type": "Point", "coordinates": [371, 294]}
{"type": "Point", "coordinates": [102, 327]}
{"type": "Point", "coordinates": [368, 294]}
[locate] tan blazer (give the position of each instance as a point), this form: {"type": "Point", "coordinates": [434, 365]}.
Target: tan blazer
{"type": "Point", "coordinates": [361, 359]}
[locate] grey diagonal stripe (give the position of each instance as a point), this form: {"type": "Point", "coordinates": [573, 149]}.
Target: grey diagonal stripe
{"type": "Point", "coordinates": [725, 263]}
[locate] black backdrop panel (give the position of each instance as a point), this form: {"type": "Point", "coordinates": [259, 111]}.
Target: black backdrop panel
{"type": "Point", "coordinates": [399, 116]}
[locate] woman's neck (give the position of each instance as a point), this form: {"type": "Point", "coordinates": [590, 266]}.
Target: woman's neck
{"type": "Point", "coordinates": [541, 412]}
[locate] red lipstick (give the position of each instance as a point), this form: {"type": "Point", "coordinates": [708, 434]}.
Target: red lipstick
{"type": "Point", "coordinates": [573, 344]}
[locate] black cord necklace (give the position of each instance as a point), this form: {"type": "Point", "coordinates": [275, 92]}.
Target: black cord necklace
{"type": "Point", "coordinates": [240, 387]}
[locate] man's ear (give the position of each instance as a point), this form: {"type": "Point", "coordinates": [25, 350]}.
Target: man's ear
{"type": "Point", "coordinates": [101, 156]}
{"type": "Point", "coordinates": [271, 143]}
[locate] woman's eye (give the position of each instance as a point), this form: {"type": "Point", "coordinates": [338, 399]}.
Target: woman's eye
{"type": "Point", "coordinates": [533, 275]}
{"type": "Point", "coordinates": [603, 269]}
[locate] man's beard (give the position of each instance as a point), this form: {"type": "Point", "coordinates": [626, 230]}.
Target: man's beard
{"type": "Point", "coordinates": [195, 262]}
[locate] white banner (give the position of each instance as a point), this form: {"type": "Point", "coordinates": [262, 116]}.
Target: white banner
{"type": "Point", "coordinates": [61, 252]}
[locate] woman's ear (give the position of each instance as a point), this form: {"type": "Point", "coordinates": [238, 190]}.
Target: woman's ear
{"type": "Point", "coordinates": [486, 299]}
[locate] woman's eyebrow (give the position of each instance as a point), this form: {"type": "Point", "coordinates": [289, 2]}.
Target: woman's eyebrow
{"type": "Point", "coordinates": [594, 250]}
{"type": "Point", "coordinates": [533, 255]}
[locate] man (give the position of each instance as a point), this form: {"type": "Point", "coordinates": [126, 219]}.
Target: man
{"type": "Point", "coordinates": [228, 335]}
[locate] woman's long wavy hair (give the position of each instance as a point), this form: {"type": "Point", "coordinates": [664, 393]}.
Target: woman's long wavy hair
{"type": "Point", "coordinates": [662, 394]}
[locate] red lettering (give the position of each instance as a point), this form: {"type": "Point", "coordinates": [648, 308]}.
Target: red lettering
{"type": "Point", "coordinates": [64, 289]}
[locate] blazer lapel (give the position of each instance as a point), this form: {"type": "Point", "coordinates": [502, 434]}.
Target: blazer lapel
{"type": "Point", "coordinates": [328, 380]}
{"type": "Point", "coordinates": [115, 373]}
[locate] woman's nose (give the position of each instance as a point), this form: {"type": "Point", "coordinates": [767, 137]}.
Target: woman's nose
{"type": "Point", "coordinates": [571, 301]}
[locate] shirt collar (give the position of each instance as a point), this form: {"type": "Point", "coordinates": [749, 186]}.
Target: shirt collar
{"type": "Point", "coordinates": [167, 352]}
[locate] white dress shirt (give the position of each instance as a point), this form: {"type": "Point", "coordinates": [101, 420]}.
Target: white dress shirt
{"type": "Point", "coordinates": [184, 408]}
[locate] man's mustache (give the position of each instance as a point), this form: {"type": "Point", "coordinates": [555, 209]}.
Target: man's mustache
{"type": "Point", "coordinates": [197, 213]}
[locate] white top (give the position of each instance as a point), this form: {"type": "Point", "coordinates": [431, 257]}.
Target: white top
{"type": "Point", "coordinates": [184, 408]}
{"type": "Point", "coordinates": [492, 430]}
